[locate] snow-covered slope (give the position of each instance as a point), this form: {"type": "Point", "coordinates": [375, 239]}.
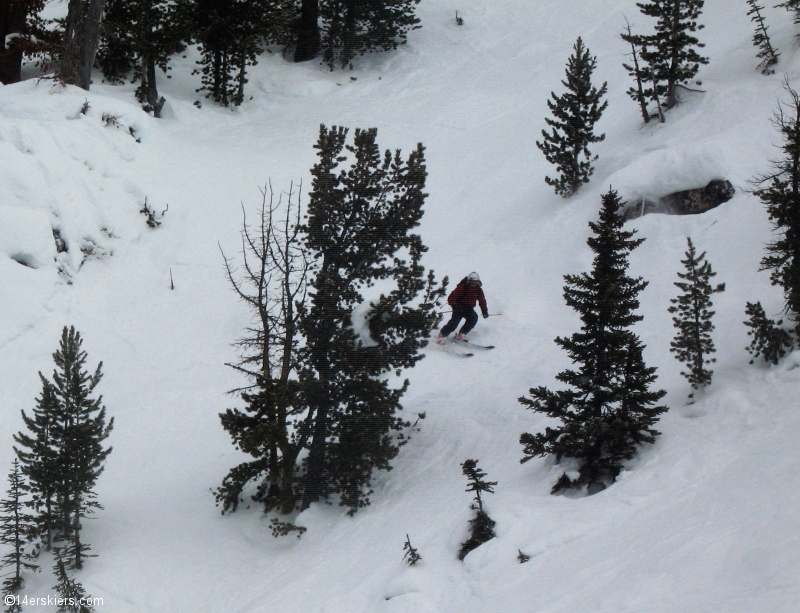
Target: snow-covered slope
{"type": "Point", "coordinates": [706, 520]}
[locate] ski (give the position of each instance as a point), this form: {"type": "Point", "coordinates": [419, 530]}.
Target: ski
{"type": "Point", "coordinates": [449, 348]}
{"type": "Point", "coordinates": [473, 344]}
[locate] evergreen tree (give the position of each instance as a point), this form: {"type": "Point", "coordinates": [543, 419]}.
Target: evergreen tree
{"type": "Point", "coordinates": [343, 29]}
{"type": "Point", "coordinates": [355, 28]}
{"type": "Point", "coordinates": [71, 593]}
{"type": "Point", "coordinates": [138, 36]}
{"type": "Point", "coordinates": [607, 410]}
{"type": "Point", "coordinates": [231, 35]}
{"type": "Point", "coordinates": [65, 455]}
{"type": "Point", "coordinates": [358, 232]}
{"type": "Point", "coordinates": [575, 112]}
{"type": "Point", "coordinates": [411, 555]}
{"type": "Point", "coordinates": [17, 529]}
{"type": "Point", "coordinates": [23, 32]}
{"type": "Point", "coordinates": [640, 93]}
{"type": "Point", "coordinates": [670, 52]}
{"type": "Point", "coordinates": [38, 453]}
{"type": "Point", "coordinates": [793, 6]}
{"type": "Point", "coordinates": [769, 339]}
{"type": "Point", "coordinates": [481, 526]}
{"type": "Point", "coordinates": [779, 190]}
{"type": "Point", "coordinates": [272, 425]}
{"type": "Point", "coordinates": [767, 54]}
{"type": "Point", "coordinates": [693, 344]}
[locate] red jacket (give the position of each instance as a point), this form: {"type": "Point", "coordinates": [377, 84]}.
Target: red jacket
{"type": "Point", "coordinates": [466, 295]}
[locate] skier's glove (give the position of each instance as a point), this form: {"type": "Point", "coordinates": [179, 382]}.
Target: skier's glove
{"type": "Point", "coordinates": [485, 314]}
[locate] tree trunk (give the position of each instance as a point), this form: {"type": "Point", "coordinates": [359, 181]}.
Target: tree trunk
{"type": "Point", "coordinates": [308, 37]}
{"type": "Point", "coordinates": [12, 20]}
{"type": "Point", "coordinates": [150, 87]}
{"type": "Point", "coordinates": [90, 37]}
{"type": "Point", "coordinates": [672, 83]}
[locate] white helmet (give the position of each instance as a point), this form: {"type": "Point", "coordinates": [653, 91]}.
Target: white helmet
{"type": "Point", "coordinates": [473, 276]}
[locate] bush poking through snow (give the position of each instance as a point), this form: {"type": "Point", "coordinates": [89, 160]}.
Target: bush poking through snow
{"type": "Point", "coordinates": [769, 340]}
{"type": "Point", "coordinates": [109, 119]}
{"type": "Point", "coordinates": [411, 555]}
{"type": "Point", "coordinates": [67, 428]}
{"type": "Point", "coordinates": [284, 528]}
{"type": "Point", "coordinates": [481, 527]}
{"type": "Point", "coordinates": [153, 218]}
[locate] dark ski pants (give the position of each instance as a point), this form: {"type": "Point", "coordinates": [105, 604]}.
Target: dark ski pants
{"type": "Point", "coordinates": [460, 313]}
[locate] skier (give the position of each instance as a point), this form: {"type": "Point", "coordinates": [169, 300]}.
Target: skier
{"type": "Point", "coordinates": [463, 299]}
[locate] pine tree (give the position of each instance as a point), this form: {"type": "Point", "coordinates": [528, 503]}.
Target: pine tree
{"type": "Point", "coordinates": [411, 555]}
{"type": "Point", "coordinates": [670, 52]}
{"type": "Point", "coordinates": [640, 93]}
{"type": "Point", "coordinates": [356, 28]}
{"type": "Point", "coordinates": [17, 529]}
{"type": "Point", "coordinates": [693, 344]}
{"type": "Point", "coordinates": [71, 593]}
{"type": "Point", "coordinates": [65, 455]}
{"type": "Point", "coordinates": [38, 453]}
{"type": "Point", "coordinates": [271, 427]}
{"type": "Point", "coordinates": [575, 112]}
{"type": "Point", "coordinates": [481, 526]}
{"type": "Point", "coordinates": [359, 232]}
{"type": "Point", "coordinates": [138, 36]}
{"type": "Point", "coordinates": [793, 6]}
{"type": "Point", "coordinates": [769, 340]}
{"type": "Point", "coordinates": [24, 33]}
{"type": "Point", "coordinates": [231, 35]}
{"type": "Point", "coordinates": [607, 411]}
{"type": "Point", "coordinates": [779, 190]}
{"type": "Point", "coordinates": [767, 54]}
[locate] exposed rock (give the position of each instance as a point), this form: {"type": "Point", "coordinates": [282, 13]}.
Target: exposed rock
{"type": "Point", "coordinates": [689, 202]}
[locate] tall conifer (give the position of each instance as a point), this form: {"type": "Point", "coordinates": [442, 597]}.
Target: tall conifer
{"type": "Point", "coordinates": [139, 36]}
{"type": "Point", "coordinates": [693, 344]}
{"type": "Point", "coordinates": [607, 410]}
{"type": "Point", "coordinates": [670, 51]}
{"type": "Point", "coordinates": [779, 190]}
{"type": "Point", "coordinates": [17, 529]}
{"type": "Point", "coordinates": [360, 231]}
{"type": "Point", "coordinates": [231, 35]}
{"type": "Point", "coordinates": [575, 113]}
{"type": "Point", "coordinates": [355, 28]}
{"type": "Point", "coordinates": [767, 53]}
{"type": "Point", "coordinates": [65, 455]}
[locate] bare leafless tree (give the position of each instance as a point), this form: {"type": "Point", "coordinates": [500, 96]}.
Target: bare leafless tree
{"type": "Point", "coordinates": [275, 425]}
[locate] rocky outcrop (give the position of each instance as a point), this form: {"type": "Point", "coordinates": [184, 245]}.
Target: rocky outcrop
{"type": "Point", "coordinates": [689, 202]}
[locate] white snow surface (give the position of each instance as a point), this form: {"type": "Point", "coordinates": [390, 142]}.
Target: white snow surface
{"type": "Point", "coordinates": [705, 520]}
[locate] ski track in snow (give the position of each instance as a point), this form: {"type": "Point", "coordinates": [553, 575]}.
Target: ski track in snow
{"type": "Point", "coordinates": [706, 520]}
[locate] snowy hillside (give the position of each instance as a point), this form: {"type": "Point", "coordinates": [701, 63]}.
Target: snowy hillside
{"type": "Point", "coordinates": [706, 520]}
